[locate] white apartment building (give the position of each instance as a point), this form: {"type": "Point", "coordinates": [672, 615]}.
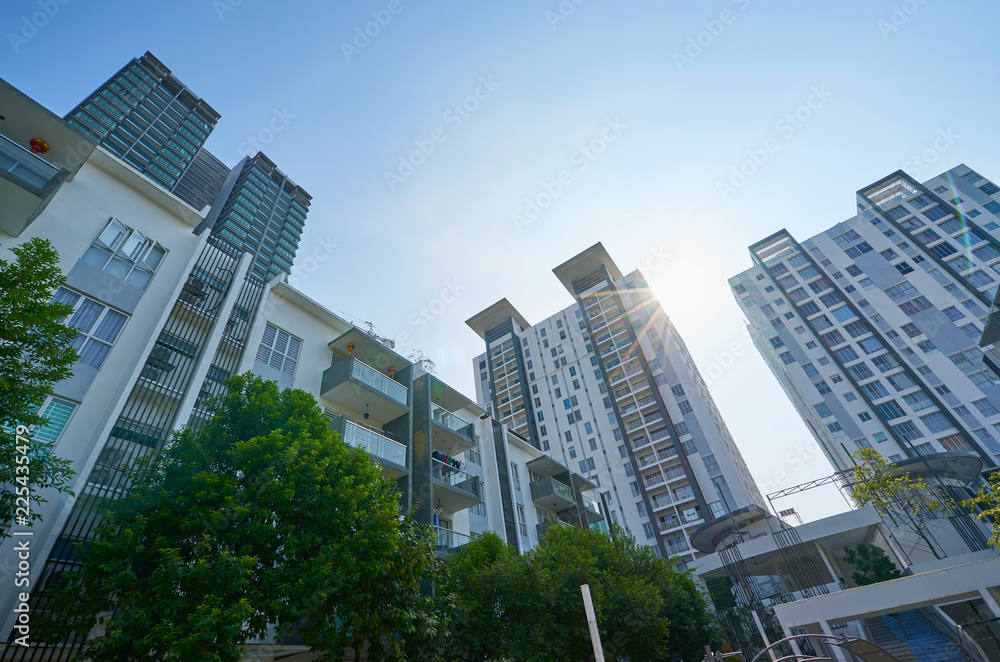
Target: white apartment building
{"type": "Point", "coordinates": [166, 313]}
{"type": "Point", "coordinates": [607, 387]}
{"type": "Point", "coordinates": [872, 326]}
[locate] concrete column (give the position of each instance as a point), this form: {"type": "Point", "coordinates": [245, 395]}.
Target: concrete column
{"type": "Point", "coordinates": [829, 566]}
{"type": "Point", "coordinates": [894, 547]}
{"type": "Point", "coordinates": [794, 642]}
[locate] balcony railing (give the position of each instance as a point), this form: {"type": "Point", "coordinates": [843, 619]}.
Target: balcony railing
{"type": "Point", "coordinates": [633, 425]}
{"type": "Point", "coordinates": [374, 379]}
{"type": "Point", "coordinates": [675, 472]}
{"type": "Point", "coordinates": [449, 541]}
{"type": "Point", "coordinates": [667, 453]}
{"type": "Point", "coordinates": [661, 501]}
{"type": "Point", "coordinates": [375, 442]}
{"type": "Point", "coordinates": [659, 434]}
{"type": "Point", "coordinates": [446, 419]}
{"type": "Point", "coordinates": [25, 166]}
{"type": "Point", "coordinates": [449, 475]}
{"type": "Point", "coordinates": [591, 505]}
{"type": "Point", "coordinates": [547, 486]}
{"type": "Point", "coordinates": [671, 523]}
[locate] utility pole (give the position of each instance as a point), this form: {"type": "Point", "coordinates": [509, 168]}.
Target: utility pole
{"type": "Point", "coordinates": [595, 635]}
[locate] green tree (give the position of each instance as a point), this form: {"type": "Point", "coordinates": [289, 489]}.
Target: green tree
{"type": "Point", "coordinates": [986, 506]}
{"type": "Point", "coordinates": [872, 564]}
{"type": "Point", "coordinates": [895, 494]}
{"type": "Point", "coordinates": [262, 517]}
{"type": "Point", "coordinates": [530, 608]}
{"type": "Point", "coordinates": [36, 351]}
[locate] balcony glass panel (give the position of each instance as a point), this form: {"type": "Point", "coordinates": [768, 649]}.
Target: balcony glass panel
{"type": "Point", "coordinates": [374, 443]}
{"type": "Point", "coordinates": [24, 165]}
{"type": "Point", "coordinates": [450, 475]}
{"type": "Point", "coordinates": [379, 382]}
{"type": "Point", "coordinates": [445, 418]}
{"type": "Point", "coordinates": [449, 541]}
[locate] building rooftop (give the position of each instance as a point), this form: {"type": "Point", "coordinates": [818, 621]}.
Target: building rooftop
{"type": "Point", "coordinates": [494, 316]}
{"type": "Point", "coordinates": [585, 263]}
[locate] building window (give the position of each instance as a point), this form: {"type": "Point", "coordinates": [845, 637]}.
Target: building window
{"type": "Point", "coordinates": [521, 521]}
{"type": "Point", "coordinates": [711, 465]}
{"type": "Point", "coordinates": [278, 349]}
{"type": "Point", "coordinates": [126, 254]}
{"type": "Point", "coordinates": [572, 453]}
{"type": "Point", "coordinates": [515, 476]}
{"type": "Point", "coordinates": [57, 411]}
{"type": "Point", "coordinates": [985, 408]}
{"type": "Point", "coordinates": [97, 325]}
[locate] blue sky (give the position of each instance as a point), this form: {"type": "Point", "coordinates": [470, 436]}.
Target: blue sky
{"type": "Point", "coordinates": [692, 90]}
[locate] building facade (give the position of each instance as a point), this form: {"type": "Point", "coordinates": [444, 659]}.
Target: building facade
{"type": "Point", "coordinates": [872, 327]}
{"type": "Point", "coordinates": [148, 118]}
{"type": "Point", "coordinates": [607, 387]}
{"type": "Point", "coordinates": [166, 312]}
{"type": "Point", "coordinates": [260, 211]}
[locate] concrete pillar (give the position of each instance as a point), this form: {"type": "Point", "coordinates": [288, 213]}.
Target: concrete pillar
{"type": "Point", "coordinates": [894, 547]}
{"type": "Point", "coordinates": [794, 642]}
{"type": "Point", "coordinates": [829, 566]}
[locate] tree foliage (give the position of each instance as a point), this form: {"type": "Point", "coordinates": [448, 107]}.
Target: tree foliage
{"type": "Point", "coordinates": [36, 351]}
{"type": "Point", "coordinates": [262, 517]}
{"type": "Point", "coordinates": [873, 565]}
{"type": "Point", "coordinates": [530, 607]}
{"type": "Point", "coordinates": [904, 500]}
{"type": "Point", "coordinates": [986, 505]}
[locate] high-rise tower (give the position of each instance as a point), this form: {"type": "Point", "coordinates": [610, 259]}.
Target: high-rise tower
{"type": "Point", "coordinates": [607, 386]}
{"type": "Point", "coordinates": [872, 326]}
{"type": "Point", "coordinates": [145, 116]}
